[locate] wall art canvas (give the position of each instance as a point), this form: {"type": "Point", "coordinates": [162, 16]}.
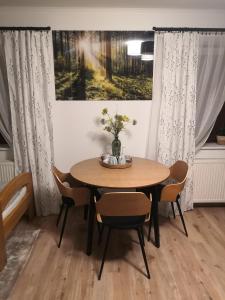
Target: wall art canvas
{"type": "Point", "coordinates": [103, 65]}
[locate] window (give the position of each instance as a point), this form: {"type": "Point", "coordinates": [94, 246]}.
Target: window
{"type": "Point", "coordinates": [2, 140]}
{"type": "Point", "coordinates": [220, 123]}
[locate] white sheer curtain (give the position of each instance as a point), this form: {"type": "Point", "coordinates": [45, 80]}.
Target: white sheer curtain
{"type": "Point", "coordinates": [31, 88]}
{"type": "Point", "coordinates": [5, 117]}
{"type": "Point", "coordinates": [172, 123]}
{"type": "Point", "coordinates": [210, 84]}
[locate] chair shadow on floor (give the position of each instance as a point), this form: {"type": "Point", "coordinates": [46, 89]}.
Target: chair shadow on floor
{"type": "Point", "coordinates": [121, 243]}
{"type": "Point", "coordinates": [177, 224]}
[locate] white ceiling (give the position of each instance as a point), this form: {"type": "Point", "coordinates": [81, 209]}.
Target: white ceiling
{"type": "Point", "coordinates": [180, 4]}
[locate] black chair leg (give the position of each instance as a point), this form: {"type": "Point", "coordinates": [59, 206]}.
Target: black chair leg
{"type": "Point", "coordinates": [181, 216]}
{"type": "Point", "coordinates": [60, 214]}
{"type": "Point", "coordinates": [173, 210]}
{"type": "Point", "coordinates": [142, 235]}
{"type": "Point", "coordinates": [150, 224]}
{"type": "Point", "coordinates": [104, 253]}
{"type": "Point", "coordinates": [98, 227]}
{"type": "Point", "coordinates": [143, 252]}
{"type": "Point", "coordinates": [63, 226]}
{"type": "Point", "coordinates": [100, 233]}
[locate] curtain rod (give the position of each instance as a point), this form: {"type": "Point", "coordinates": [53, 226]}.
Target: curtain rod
{"type": "Point", "coordinates": [26, 28]}
{"type": "Point", "coordinates": [169, 29]}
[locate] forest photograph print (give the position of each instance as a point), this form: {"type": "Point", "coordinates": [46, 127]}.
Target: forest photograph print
{"type": "Point", "coordinates": [103, 65]}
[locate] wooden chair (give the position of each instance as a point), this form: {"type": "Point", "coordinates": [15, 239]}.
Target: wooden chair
{"type": "Point", "coordinates": [16, 198]}
{"type": "Point", "coordinates": [72, 192]}
{"type": "Point", "coordinates": [170, 191]}
{"type": "Point", "coordinates": [119, 210]}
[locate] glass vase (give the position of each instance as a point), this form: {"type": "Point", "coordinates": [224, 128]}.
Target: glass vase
{"type": "Point", "coordinates": [116, 147]}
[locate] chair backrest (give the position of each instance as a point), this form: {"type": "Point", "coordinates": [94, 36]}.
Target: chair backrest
{"type": "Point", "coordinates": [178, 171]}
{"type": "Point", "coordinates": [123, 204]}
{"type": "Point", "coordinates": [60, 178]}
{"type": "Point", "coordinates": [80, 195]}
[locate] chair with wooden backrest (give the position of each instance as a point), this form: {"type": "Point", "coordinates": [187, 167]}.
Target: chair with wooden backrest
{"type": "Point", "coordinates": [171, 192]}
{"type": "Point", "coordinates": [16, 198]}
{"type": "Point", "coordinates": [72, 192]}
{"type": "Point", "coordinates": [123, 211]}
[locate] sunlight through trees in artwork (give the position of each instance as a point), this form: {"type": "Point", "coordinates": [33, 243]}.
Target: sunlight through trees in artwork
{"type": "Point", "coordinates": [96, 65]}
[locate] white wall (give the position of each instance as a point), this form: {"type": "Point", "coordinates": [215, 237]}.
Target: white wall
{"type": "Point", "coordinates": [76, 135]}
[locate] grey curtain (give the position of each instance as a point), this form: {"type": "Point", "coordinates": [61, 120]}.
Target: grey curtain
{"type": "Point", "coordinates": [5, 117]}
{"type": "Point", "coordinates": [210, 84]}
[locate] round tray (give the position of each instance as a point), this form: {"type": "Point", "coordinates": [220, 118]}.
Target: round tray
{"type": "Point", "coordinates": [123, 166]}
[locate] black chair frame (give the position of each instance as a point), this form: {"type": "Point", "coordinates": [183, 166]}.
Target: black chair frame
{"type": "Point", "coordinates": [66, 203]}
{"type": "Point", "coordinates": [173, 210]}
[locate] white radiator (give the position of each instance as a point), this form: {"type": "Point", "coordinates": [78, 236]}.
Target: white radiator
{"type": "Point", "coordinates": [7, 171]}
{"type": "Point", "coordinates": [209, 176]}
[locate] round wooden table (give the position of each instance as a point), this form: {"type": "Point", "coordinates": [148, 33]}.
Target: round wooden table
{"type": "Point", "coordinates": [142, 173]}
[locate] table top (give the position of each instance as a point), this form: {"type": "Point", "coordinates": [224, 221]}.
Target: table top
{"type": "Point", "coordinates": [143, 172]}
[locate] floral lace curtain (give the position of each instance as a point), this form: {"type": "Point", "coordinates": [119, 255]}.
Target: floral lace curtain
{"type": "Point", "coordinates": [30, 72]}
{"type": "Point", "coordinates": [172, 124]}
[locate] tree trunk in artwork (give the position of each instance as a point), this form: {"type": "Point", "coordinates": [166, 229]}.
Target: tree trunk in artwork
{"type": "Point", "coordinates": [108, 56]}
{"type": "Point", "coordinates": [61, 43]}
{"type": "Point", "coordinates": [67, 55]}
{"type": "Point", "coordinates": [82, 93]}
{"type": "Point", "coordinates": [54, 34]}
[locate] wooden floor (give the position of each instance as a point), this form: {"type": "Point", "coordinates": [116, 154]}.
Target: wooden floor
{"type": "Point", "coordinates": [183, 268]}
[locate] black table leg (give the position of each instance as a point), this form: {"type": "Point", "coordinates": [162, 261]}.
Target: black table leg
{"type": "Point", "coordinates": [155, 199]}
{"type": "Point", "coordinates": [91, 215]}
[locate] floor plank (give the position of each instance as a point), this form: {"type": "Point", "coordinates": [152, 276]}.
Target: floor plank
{"type": "Point", "coordinates": [182, 268]}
